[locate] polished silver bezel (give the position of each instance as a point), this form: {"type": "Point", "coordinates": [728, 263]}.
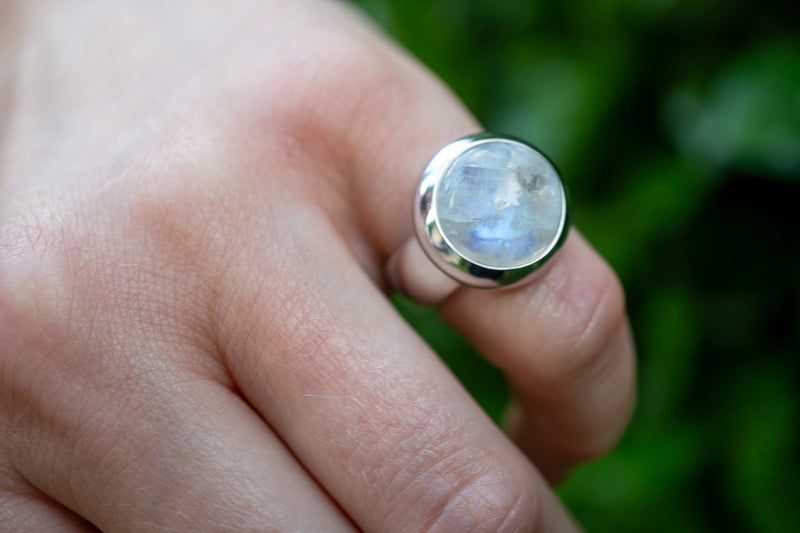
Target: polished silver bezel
{"type": "Point", "coordinates": [435, 243]}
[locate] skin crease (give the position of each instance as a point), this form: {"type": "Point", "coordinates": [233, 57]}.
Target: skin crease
{"type": "Point", "coordinates": [197, 200]}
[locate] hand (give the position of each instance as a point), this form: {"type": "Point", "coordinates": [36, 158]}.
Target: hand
{"type": "Point", "coordinates": [197, 201]}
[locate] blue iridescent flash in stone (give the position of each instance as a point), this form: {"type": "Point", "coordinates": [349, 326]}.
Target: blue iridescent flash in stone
{"type": "Point", "coordinates": [500, 204]}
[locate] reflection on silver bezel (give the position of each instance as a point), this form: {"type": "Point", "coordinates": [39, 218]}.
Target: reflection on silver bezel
{"type": "Point", "coordinates": [436, 245]}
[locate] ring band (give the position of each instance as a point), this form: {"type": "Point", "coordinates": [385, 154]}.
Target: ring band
{"type": "Point", "coordinates": [489, 211]}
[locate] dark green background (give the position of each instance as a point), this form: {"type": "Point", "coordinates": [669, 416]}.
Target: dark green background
{"type": "Point", "coordinates": [676, 125]}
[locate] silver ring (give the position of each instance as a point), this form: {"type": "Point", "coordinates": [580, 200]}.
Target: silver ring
{"type": "Point", "coordinates": [490, 210]}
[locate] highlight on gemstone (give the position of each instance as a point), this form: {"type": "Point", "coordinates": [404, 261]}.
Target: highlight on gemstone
{"type": "Point", "coordinates": [500, 204]}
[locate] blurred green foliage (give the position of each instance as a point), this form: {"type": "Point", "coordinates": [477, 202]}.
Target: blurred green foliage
{"type": "Point", "coordinates": [676, 125]}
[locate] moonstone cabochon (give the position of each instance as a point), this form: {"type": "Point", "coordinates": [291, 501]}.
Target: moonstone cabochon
{"type": "Point", "coordinates": [500, 204]}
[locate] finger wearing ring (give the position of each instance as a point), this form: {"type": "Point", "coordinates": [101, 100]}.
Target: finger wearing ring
{"type": "Point", "coordinates": [489, 211]}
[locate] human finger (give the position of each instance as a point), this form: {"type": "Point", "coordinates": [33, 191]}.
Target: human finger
{"type": "Point", "coordinates": [576, 301]}
{"type": "Point", "coordinates": [361, 401]}
{"type": "Point", "coordinates": [133, 428]}
{"type": "Point", "coordinates": [212, 475]}
{"type": "Point", "coordinates": [565, 345]}
{"type": "Point", "coordinates": [581, 323]}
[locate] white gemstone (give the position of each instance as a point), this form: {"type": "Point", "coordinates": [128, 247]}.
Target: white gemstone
{"type": "Point", "coordinates": [500, 204]}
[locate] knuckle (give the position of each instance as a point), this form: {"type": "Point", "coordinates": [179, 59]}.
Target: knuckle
{"type": "Point", "coordinates": [466, 488]}
{"type": "Point", "coordinates": [350, 88]}
{"type": "Point", "coordinates": [175, 211]}
{"type": "Point", "coordinates": [589, 315]}
{"type": "Point", "coordinates": [69, 285]}
{"type": "Point", "coordinates": [340, 71]}
{"type": "Point", "coordinates": [492, 502]}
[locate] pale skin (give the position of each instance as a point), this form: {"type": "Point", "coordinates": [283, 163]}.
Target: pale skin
{"type": "Point", "coordinates": [197, 202]}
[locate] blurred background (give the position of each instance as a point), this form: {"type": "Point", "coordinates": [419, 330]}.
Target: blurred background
{"type": "Point", "coordinates": [676, 126]}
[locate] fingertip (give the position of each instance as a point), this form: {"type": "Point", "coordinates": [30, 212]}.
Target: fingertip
{"type": "Point", "coordinates": [565, 345]}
